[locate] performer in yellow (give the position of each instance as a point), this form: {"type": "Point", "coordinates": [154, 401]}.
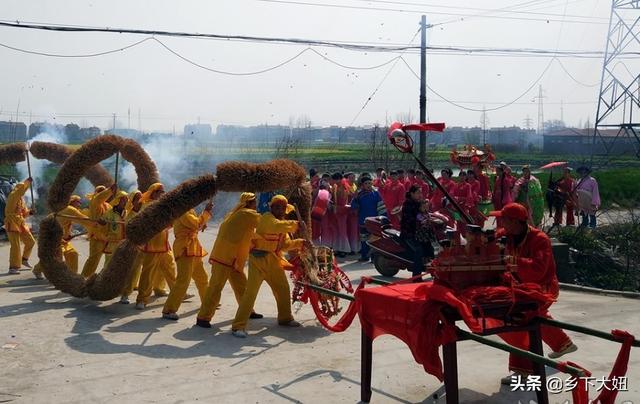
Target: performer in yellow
{"type": "Point", "coordinates": [156, 254]}
{"type": "Point", "coordinates": [230, 253]}
{"type": "Point", "coordinates": [98, 206]}
{"type": "Point", "coordinates": [67, 217]}
{"type": "Point", "coordinates": [115, 223]}
{"type": "Point", "coordinates": [188, 253]}
{"type": "Point", "coordinates": [267, 263]}
{"type": "Point", "coordinates": [133, 207]}
{"type": "Point", "coordinates": [17, 229]}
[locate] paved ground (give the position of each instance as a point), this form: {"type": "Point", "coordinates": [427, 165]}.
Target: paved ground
{"type": "Point", "coordinates": [62, 349]}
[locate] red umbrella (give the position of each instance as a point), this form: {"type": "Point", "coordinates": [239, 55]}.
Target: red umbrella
{"type": "Point", "coordinates": [554, 165]}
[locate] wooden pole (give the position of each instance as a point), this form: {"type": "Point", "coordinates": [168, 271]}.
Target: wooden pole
{"type": "Point", "coordinates": [442, 189]}
{"type": "Point", "coordinates": [423, 86]}
{"type": "Point", "coordinates": [583, 330]}
{"type": "Point", "coordinates": [33, 201]}
{"type": "Point", "coordinates": [326, 291]}
{"type": "Point", "coordinates": [520, 352]}
{"type": "Point", "coordinates": [116, 173]}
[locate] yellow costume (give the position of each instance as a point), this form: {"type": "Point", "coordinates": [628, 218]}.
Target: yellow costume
{"type": "Point", "coordinates": [69, 216]}
{"type": "Point", "coordinates": [267, 263]}
{"type": "Point", "coordinates": [188, 253]}
{"type": "Point", "coordinates": [114, 230]}
{"type": "Point", "coordinates": [156, 257]}
{"type": "Point", "coordinates": [230, 252]}
{"type": "Point", "coordinates": [17, 229]}
{"type": "Point", "coordinates": [134, 275]}
{"type": "Point", "coordinates": [98, 206]}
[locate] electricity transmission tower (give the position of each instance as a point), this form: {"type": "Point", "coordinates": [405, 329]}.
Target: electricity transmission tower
{"type": "Point", "coordinates": [540, 97]}
{"type": "Point", "coordinates": [617, 124]}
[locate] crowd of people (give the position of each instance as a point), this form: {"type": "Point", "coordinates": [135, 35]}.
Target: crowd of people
{"type": "Point", "coordinates": [256, 231]}
{"type": "Point", "coordinates": [343, 200]}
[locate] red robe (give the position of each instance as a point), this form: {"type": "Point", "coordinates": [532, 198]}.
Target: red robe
{"type": "Point", "coordinates": [566, 186]}
{"type": "Point", "coordinates": [393, 197]}
{"type": "Point", "coordinates": [534, 257]}
{"type": "Point", "coordinates": [341, 199]}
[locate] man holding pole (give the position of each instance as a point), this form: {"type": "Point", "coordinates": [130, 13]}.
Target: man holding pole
{"type": "Point", "coordinates": [98, 206]}
{"type": "Point", "coordinates": [230, 253]}
{"type": "Point", "coordinates": [15, 213]}
{"type": "Point", "coordinates": [67, 217]}
{"type": "Point", "coordinates": [266, 263]}
{"type": "Point", "coordinates": [530, 249]}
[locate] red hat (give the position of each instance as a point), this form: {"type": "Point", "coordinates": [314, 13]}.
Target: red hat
{"type": "Point", "coordinates": [513, 211]}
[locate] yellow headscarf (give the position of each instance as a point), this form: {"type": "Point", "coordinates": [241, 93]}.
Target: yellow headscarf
{"type": "Point", "coordinates": [242, 203]}
{"type": "Point", "coordinates": [98, 189]}
{"type": "Point", "coordinates": [146, 197]}
{"type": "Point", "coordinates": [132, 196]}
{"type": "Point", "coordinates": [281, 199]}
{"type": "Point", "coordinates": [116, 199]}
{"type": "Point", "coordinates": [74, 198]}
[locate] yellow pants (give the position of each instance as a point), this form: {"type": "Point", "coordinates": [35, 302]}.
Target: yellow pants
{"type": "Point", "coordinates": [158, 281]}
{"type": "Point", "coordinates": [264, 269]}
{"type": "Point", "coordinates": [219, 276]}
{"type": "Point", "coordinates": [188, 268]}
{"type": "Point", "coordinates": [151, 262]}
{"type": "Point", "coordinates": [15, 255]}
{"type": "Point", "coordinates": [96, 248]}
{"type": "Point", "coordinates": [70, 258]}
{"type": "Point", "coordinates": [134, 276]}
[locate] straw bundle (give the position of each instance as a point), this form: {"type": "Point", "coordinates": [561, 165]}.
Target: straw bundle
{"type": "Point", "coordinates": [239, 176]}
{"type": "Point", "coordinates": [50, 255]}
{"type": "Point", "coordinates": [145, 167]}
{"type": "Point", "coordinates": [58, 154]}
{"type": "Point", "coordinates": [12, 153]}
{"type": "Point", "coordinates": [160, 214]}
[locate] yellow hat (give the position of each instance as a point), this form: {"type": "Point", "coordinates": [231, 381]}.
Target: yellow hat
{"type": "Point", "coordinates": [281, 199]}
{"type": "Point", "coordinates": [242, 203]}
{"type": "Point", "coordinates": [119, 195]}
{"type": "Point", "coordinates": [131, 197]}
{"type": "Point", "coordinates": [146, 197]}
{"type": "Point", "coordinates": [74, 198]}
{"type": "Point", "coordinates": [98, 189]}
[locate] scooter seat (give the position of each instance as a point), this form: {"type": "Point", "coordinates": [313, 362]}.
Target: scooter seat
{"type": "Point", "coordinates": [393, 233]}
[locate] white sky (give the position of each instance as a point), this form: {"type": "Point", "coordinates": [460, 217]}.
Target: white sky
{"type": "Point", "coordinates": [170, 91]}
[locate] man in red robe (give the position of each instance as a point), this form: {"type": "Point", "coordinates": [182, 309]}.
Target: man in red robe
{"type": "Point", "coordinates": [530, 248]}
{"type": "Point", "coordinates": [393, 195]}
{"type": "Point", "coordinates": [566, 187]}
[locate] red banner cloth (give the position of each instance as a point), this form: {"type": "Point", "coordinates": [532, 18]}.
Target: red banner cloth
{"type": "Point", "coordinates": [411, 312]}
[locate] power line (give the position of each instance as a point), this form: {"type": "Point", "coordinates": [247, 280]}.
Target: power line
{"type": "Point", "coordinates": [85, 55]}
{"type": "Point", "coordinates": [398, 10]}
{"type": "Point", "coordinates": [483, 109]}
{"type": "Point", "coordinates": [483, 10]}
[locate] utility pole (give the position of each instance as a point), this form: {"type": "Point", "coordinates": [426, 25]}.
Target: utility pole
{"type": "Point", "coordinates": [562, 111]}
{"type": "Point", "coordinates": [423, 87]}
{"type": "Point", "coordinates": [114, 122]}
{"type": "Point", "coordinates": [129, 118]}
{"type": "Point", "coordinates": [540, 98]}
{"type": "Point", "coordinates": [484, 120]}
{"type": "Point", "coordinates": [139, 122]}
{"type": "Point", "coordinates": [528, 122]}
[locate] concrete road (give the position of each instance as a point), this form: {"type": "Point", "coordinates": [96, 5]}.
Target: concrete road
{"type": "Point", "coordinates": [57, 348]}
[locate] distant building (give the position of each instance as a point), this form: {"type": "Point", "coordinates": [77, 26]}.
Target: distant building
{"type": "Point", "coordinates": [128, 133]}
{"type": "Point", "coordinates": [580, 141]}
{"type": "Point", "coordinates": [12, 131]}
{"type": "Point", "coordinates": [202, 131]}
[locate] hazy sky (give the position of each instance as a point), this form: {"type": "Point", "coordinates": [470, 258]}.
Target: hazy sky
{"type": "Point", "coordinates": [169, 91]}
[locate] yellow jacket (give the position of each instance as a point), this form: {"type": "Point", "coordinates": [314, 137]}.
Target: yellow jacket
{"type": "Point", "coordinates": [15, 211]}
{"type": "Point", "coordinates": [98, 206]}
{"type": "Point", "coordinates": [159, 243]}
{"type": "Point", "coordinates": [272, 236]}
{"type": "Point", "coordinates": [233, 243]}
{"type": "Point", "coordinates": [186, 229]}
{"type": "Point", "coordinates": [114, 230]}
{"type": "Point", "coordinates": [66, 222]}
